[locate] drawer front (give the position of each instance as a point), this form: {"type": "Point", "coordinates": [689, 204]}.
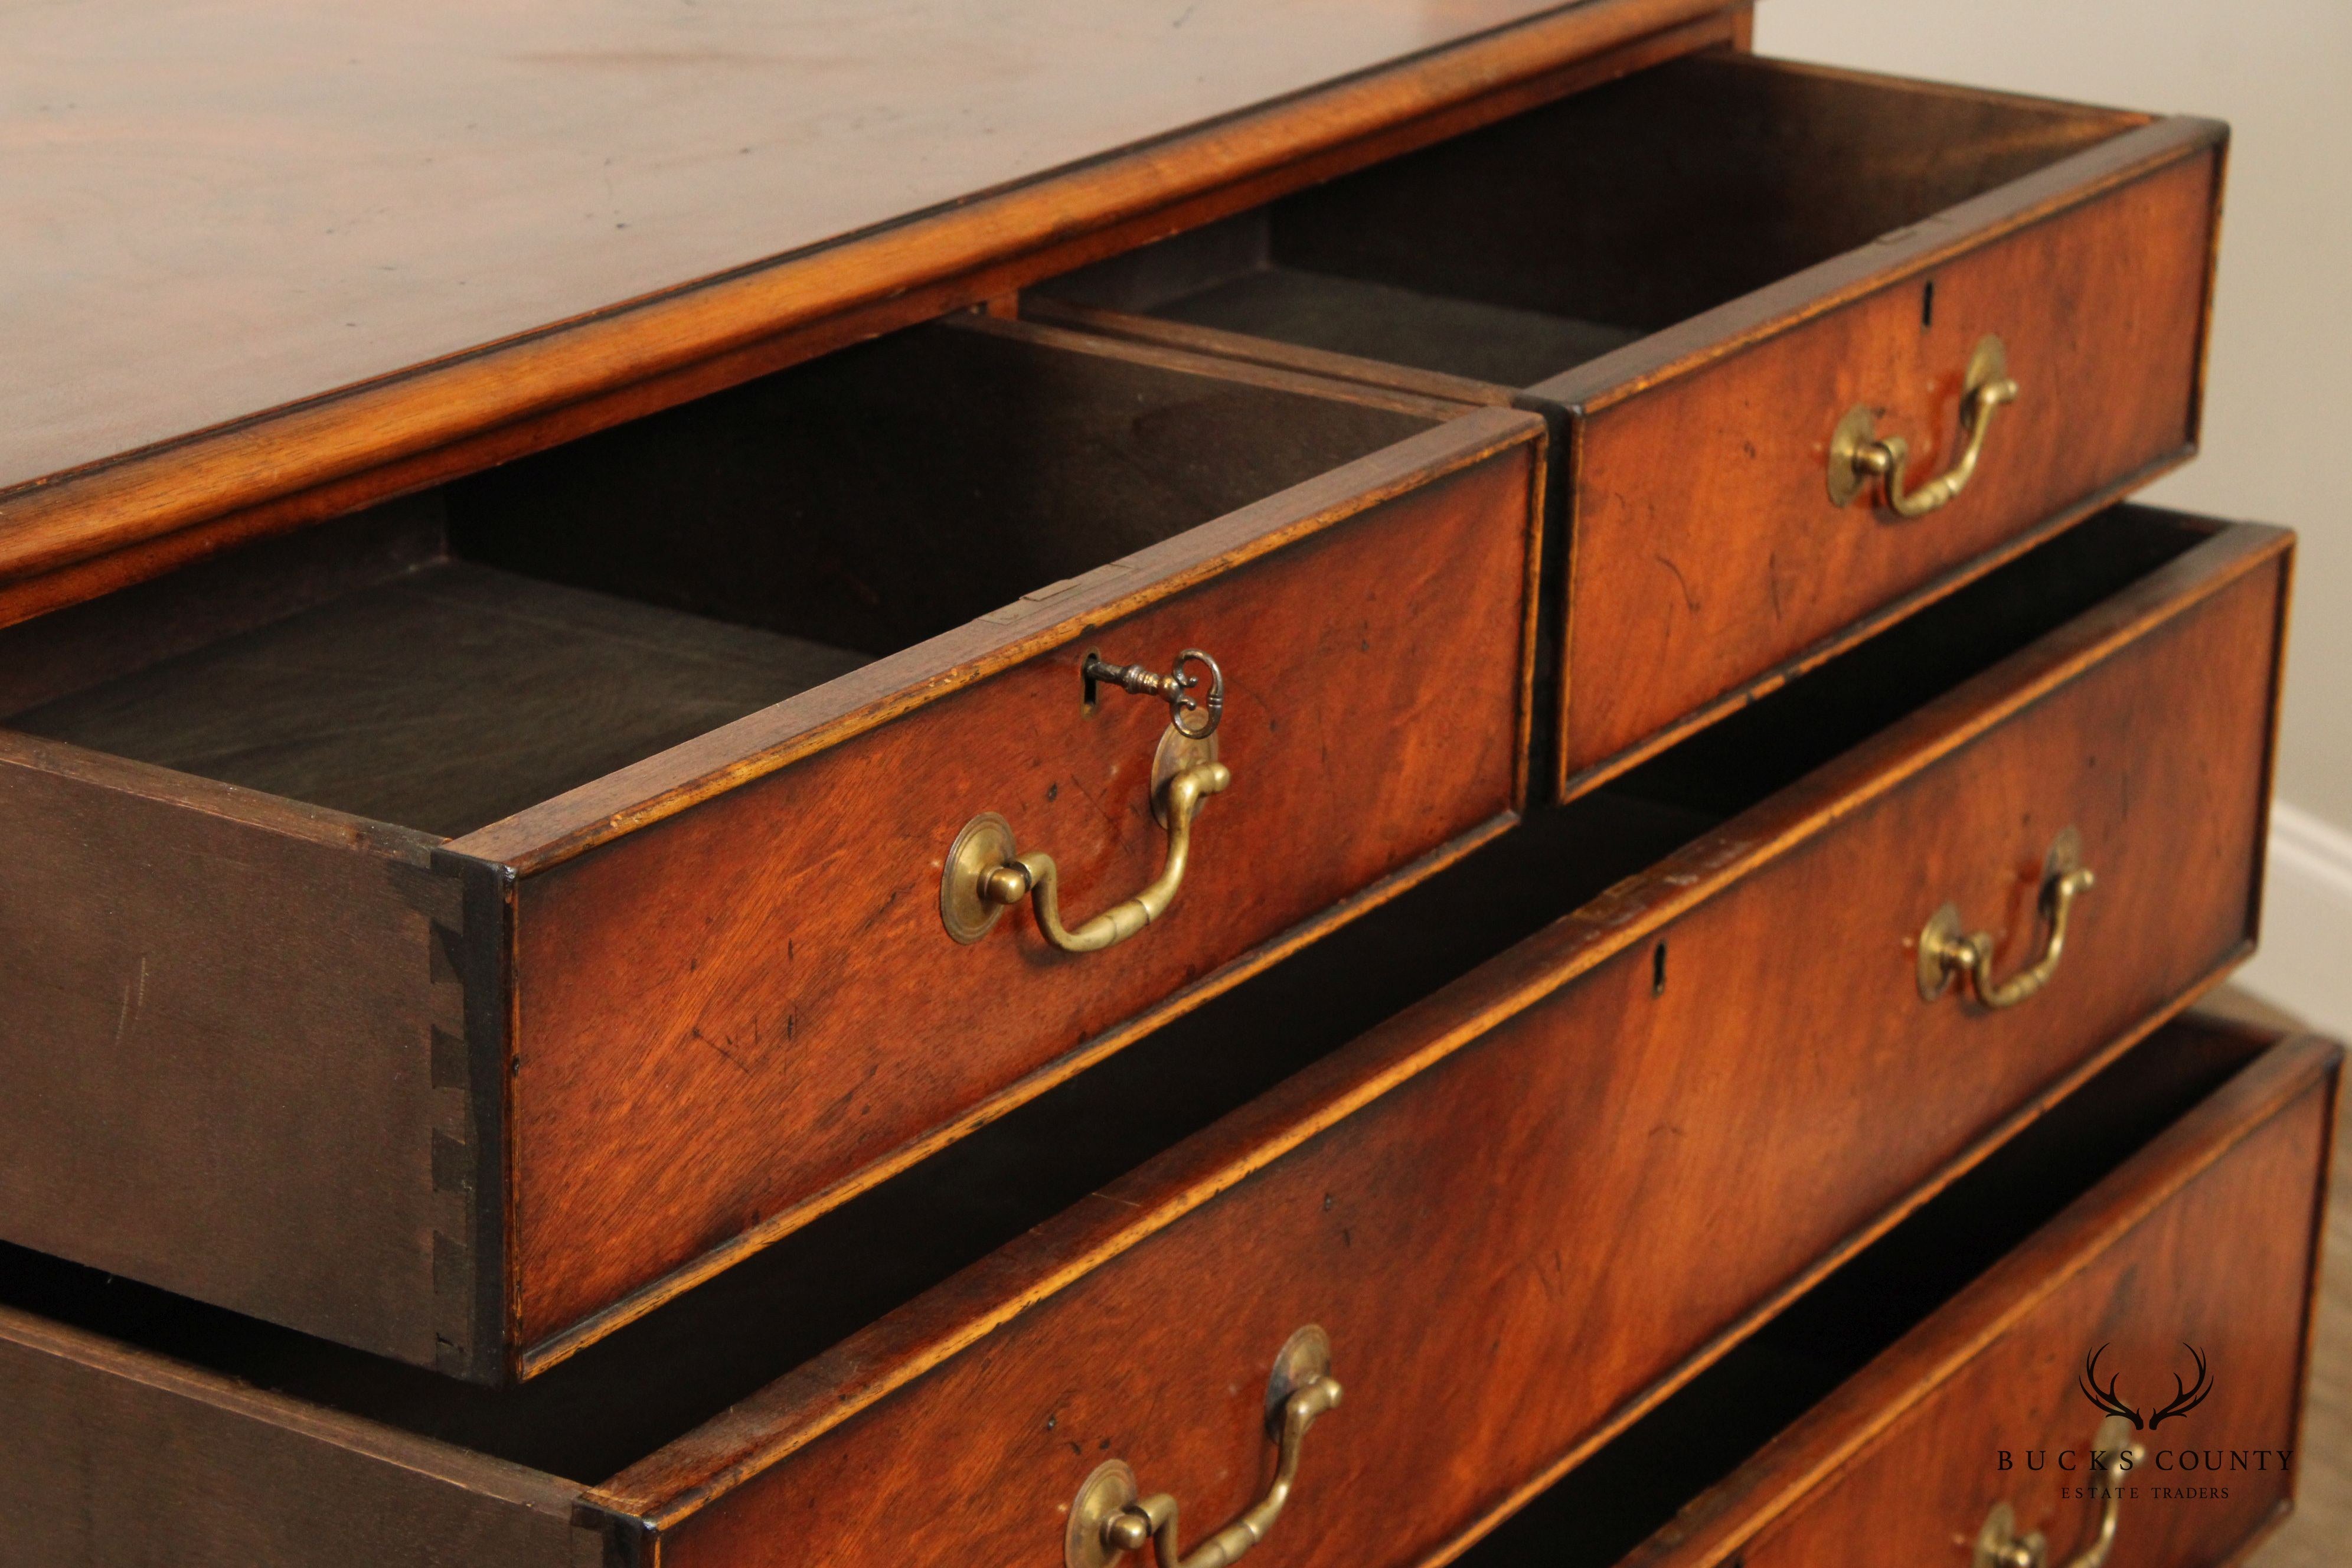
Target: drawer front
{"type": "Point", "coordinates": [1635, 1147]}
{"type": "Point", "coordinates": [2186, 1278]}
{"type": "Point", "coordinates": [1708, 551]}
{"type": "Point", "coordinates": [735, 1016]}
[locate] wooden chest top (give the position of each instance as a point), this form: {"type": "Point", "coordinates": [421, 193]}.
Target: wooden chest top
{"type": "Point", "coordinates": [220, 216]}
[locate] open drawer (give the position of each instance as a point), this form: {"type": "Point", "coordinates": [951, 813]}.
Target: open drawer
{"type": "Point", "coordinates": [452, 930]}
{"type": "Point", "coordinates": [2130, 1365]}
{"type": "Point", "coordinates": [1731, 281]}
{"type": "Point", "coordinates": [1604, 1096]}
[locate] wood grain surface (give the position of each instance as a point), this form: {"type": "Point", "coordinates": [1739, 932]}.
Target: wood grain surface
{"type": "Point", "coordinates": [235, 1048]}
{"type": "Point", "coordinates": [645, 216]}
{"type": "Point", "coordinates": [1677, 190]}
{"type": "Point", "coordinates": [441, 700]}
{"type": "Point", "coordinates": [362, 672]}
{"type": "Point", "coordinates": [728, 1020]}
{"type": "Point", "coordinates": [2205, 1239]}
{"type": "Point", "coordinates": [113, 1457]}
{"type": "Point", "coordinates": [345, 198]}
{"type": "Point", "coordinates": [2103, 311]}
{"type": "Point", "coordinates": [1819, 239]}
{"type": "Point", "coordinates": [58, 654]}
{"type": "Point", "coordinates": [2310, 1538]}
{"type": "Point", "coordinates": [1471, 1183]}
{"type": "Point", "coordinates": [1344, 1197]}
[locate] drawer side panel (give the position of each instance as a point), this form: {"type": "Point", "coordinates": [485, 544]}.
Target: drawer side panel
{"type": "Point", "coordinates": [235, 1053]}
{"type": "Point", "coordinates": [110, 1457]}
{"type": "Point", "coordinates": [1707, 551]}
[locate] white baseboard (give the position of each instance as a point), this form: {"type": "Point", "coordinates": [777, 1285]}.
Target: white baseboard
{"type": "Point", "coordinates": [2305, 961]}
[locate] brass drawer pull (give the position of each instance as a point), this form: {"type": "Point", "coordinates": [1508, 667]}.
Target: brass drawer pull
{"type": "Point", "coordinates": [1109, 1518]}
{"type": "Point", "coordinates": [1945, 951]}
{"type": "Point", "coordinates": [1859, 455]}
{"type": "Point", "coordinates": [986, 874]}
{"type": "Point", "coordinates": [2000, 1546]}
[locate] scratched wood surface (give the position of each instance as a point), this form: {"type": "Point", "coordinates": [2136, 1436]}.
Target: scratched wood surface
{"type": "Point", "coordinates": [2313, 1536]}
{"type": "Point", "coordinates": [1675, 191]}
{"type": "Point", "coordinates": [2174, 1198]}
{"type": "Point", "coordinates": [113, 1455]}
{"type": "Point", "coordinates": [1462, 1079]}
{"type": "Point", "coordinates": [1822, 239]}
{"type": "Point", "coordinates": [1508, 1112]}
{"type": "Point", "coordinates": [2204, 1239]}
{"type": "Point", "coordinates": [581, 611]}
{"type": "Point", "coordinates": [301, 200]}
{"type": "Point", "coordinates": [442, 700]}
{"type": "Point", "coordinates": [733, 1018]}
{"type": "Point", "coordinates": [2194, 1145]}
{"type": "Point", "coordinates": [352, 288]}
{"type": "Point", "coordinates": [223, 1016]}
{"type": "Point", "coordinates": [1320, 538]}
{"type": "Point", "coordinates": [2103, 311]}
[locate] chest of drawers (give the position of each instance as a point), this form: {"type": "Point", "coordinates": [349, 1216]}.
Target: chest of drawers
{"type": "Point", "coordinates": [1462, 710]}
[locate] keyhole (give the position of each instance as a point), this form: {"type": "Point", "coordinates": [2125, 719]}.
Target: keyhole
{"type": "Point", "coordinates": [1086, 663]}
{"type": "Point", "coordinates": [1928, 304]}
{"type": "Point", "coordinates": [1658, 970]}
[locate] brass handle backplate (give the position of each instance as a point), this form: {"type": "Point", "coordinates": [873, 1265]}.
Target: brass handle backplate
{"type": "Point", "coordinates": [2000, 1546]}
{"type": "Point", "coordinates": [1110, 1518]}
{"type": "Point", "coordinates": [1859, 456]}
{"type": "Point", "coordinates": [1946, 949]}
{"type": "Point", "coordinates": [986, 873]}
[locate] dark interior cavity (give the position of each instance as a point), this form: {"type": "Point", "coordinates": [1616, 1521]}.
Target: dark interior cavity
{"type": "Point", "coordinates": [528, 629]}
{"type": "Point", "coordinates": [654, 1379]}
{"type": "Point", "coordinates": [1517, 252]}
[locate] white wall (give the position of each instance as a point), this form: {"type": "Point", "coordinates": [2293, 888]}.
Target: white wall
{"type": "Point", "coordinates": [2278, 419]}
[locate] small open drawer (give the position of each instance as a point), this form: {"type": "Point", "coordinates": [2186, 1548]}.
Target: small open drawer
{"type": "Point", "coordinates": [1538, 1138]}
{"type": "Point", "coordinates": [1730, 279]}
{"type": "Point", "coordinates": [450, 930]}
{"type": "Point", "coordinates": [2105, 1331]}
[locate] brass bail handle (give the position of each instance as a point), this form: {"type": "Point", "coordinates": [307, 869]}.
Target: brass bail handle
{"type": "Point", "coordinates": [1859, 455]}
{"type": "Point", "coordinates": [1945, 951]}
{"type": "Point", "coordinates": [986, 872]}
{"type": "Point", "coordinates": [1109, 1518]}
{"type": "Point", "coordinates": [2000, 1546]}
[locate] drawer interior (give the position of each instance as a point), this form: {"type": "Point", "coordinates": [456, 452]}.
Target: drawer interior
{"type": "Point", "coordinates": [460, 656]}
{"type": "Point", "coordinates": [1518, 251]}
{"type": "Point", "coordinates": [1697, 1436]}
{"type": "Point", "coordinates": [652, 1380]}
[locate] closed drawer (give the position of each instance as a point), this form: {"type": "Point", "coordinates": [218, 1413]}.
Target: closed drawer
{"type": "Point", "coordinates": [1702, 272]}
{"type": "Point", "coordinates": [1617, 1144]}
{"type": "Point", "coordinates": [450, 931]}
{"type": "Point", "coordinates": [2167, 1310]}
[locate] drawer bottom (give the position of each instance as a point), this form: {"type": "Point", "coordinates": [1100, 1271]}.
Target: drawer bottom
{"type": "Point", "coordinates": [1959, 1383]}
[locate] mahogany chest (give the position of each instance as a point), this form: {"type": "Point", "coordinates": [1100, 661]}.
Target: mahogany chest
{"type": "Point", "coordinates": [846, 786]}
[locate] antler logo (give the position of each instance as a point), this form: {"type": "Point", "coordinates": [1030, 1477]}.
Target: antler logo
{"type": "Point", "coordinates": [2186, 1398]}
